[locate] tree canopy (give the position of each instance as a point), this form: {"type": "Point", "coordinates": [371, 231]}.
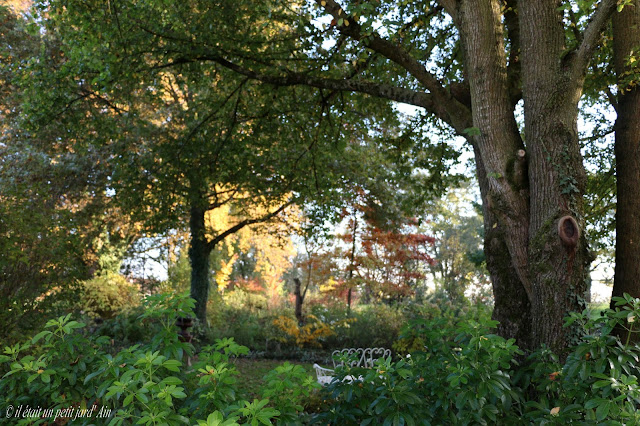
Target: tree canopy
{"type": "Point", "coordinates": [182, 108]}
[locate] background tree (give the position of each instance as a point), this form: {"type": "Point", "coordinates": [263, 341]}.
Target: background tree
{"type": "Point", "coordinates": [58, 223]}
{"type": "Point", "coordinates": [385, 257]}
{"type": "Point", "coordinates": [626, 41]}
{"type": "Point", "coordinates": [187, 138]}
{"type": "Point", "coordinates": [457, 251]}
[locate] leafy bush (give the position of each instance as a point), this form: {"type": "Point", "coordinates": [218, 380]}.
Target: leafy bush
{"type": "Point", "coordinates": [312, 333]}
{"type": "Point", "coordinates": [49, 370]}
{"type": "Point", "coordinates": [598, 381]}
{"type": "Point", "coordinates": [107, 295]}
{"type": "Point", "coordinates": [63, 370]}
{"type": "Point", "coordinates": [464, 380]}
{"type": "Point", "coordinates": [287, 387]}
{"type": "Point", "coordinates": [216, 378]}
{"type": "Point", "coordinates": [443, 319]}
{"type": "Point", "coordinates": [466, 375]}
{"type": "Point", "coordinates": [126, 328]}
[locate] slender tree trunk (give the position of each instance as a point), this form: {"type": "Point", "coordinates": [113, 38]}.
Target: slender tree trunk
{"type": "Point", "coordinates": [352, 259]}
{"type": "Point", "coordinates": [199, 252]}
{"type": "Point", "coordinates": [299, 300]}
{"type": "Point", "coordinates": [626, 37]}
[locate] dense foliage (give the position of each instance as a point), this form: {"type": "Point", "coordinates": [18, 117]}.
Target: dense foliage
{"type": "Point", "coordinates": [460, 374]}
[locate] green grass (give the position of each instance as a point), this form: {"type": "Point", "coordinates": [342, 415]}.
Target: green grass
{"type": "Point", "coordinates": [252, 371]}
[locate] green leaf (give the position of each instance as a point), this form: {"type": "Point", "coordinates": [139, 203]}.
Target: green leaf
{"type": "Point", "coordinates": [128, 399]}
{"type": "Point", "coordinates": [601, 384]}
{"type": "Point", "coordinates": [603, 410]}
{"type": "Point", "coordinates": [142, 397]}
{"type": "Point", "coordinates": [92, 375]}
{"type": "Point", "coordinates": [40, 336]}
{"type": "Point", "coordinates": [172, 365]}
{"type": "Point", "coordinates": [171, 380]}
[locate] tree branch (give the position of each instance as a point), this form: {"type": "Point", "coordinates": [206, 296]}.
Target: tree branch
{"type": "Point", "coordinates": [447, 108]}
{"type": "Point", "coordinates": [211, 244]}
{"type": "Point", "coordinates": [393, 93]}
{"type": "Point", "coordinates": [514, 77]}
{"type": "Point", "coordinates": [591, 36]}
{"type": "Point", "coordinates": [451, 6]}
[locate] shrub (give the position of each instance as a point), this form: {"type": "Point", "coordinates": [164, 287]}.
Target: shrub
{"type": "Point", "coordinates": [365, 326]}
{"type": "Point", "coordinates": [466, 375]}
{"type": "Point", "coordinates": [312, 333]}
{"type": "Point", "coordinates": [108, 295]}
{"type": "Point", "coordinates": [216, 378]}
{"type": "Point", "coordinates": [63, 370]}
{"type": "Point", "coordinates": [287, 387]}
{"type": "Point", "coordinates": [454, 381]}
{"type": "Point", "coordinates": [598, 381]}
{"type": "Point", "coordinates": [49, 370]}
{"type": "Point", "coordinates": [126, 328]}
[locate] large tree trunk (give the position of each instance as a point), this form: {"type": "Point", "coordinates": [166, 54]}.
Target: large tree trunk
{"type": "Point", "coordinates": [504, 195]}
{"type": "Point", "coordinates": [558, 252]}
{"type": "Point", "coordinates": [532, 197]}
{"type": "Point", "coordinates": [199, 252]}
{"type": "Point", "coordinates": [512, 307]}
{"type": "Point", "coordinates": [626, 37]}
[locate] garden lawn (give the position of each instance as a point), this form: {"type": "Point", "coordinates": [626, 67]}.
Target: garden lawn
{"type": "Point", "coordinates": [252, 372]}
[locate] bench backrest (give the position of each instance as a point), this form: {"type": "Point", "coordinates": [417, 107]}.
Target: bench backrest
{"type": "Point", "coordinates": [365, 357]}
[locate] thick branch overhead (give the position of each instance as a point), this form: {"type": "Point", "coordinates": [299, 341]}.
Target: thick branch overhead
{"type": "Point", "coordinates": [592, 35]}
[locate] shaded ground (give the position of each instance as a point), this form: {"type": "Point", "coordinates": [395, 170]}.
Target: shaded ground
{"type": "Point", "coordinates": [252, 371]}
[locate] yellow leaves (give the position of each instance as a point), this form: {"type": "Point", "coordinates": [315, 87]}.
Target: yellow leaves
{"type": "Point", "coordinates": [217, 221]}
{"type": "Point", "coordinates": [226, 267]}
{"type": "Point", "coordinates": [19, 5]}
{"type": "Point", "coordinates": [329, 285]}
{"type": "Point", "coordinates": [308, 334]}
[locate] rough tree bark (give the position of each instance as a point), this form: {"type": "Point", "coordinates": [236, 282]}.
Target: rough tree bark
{"type": "Point", "coordinates": [552, 86]}
{"type": "Point", "coordinates": [626, 40]}
{"type": "Point", "coordinates": [532, 196]}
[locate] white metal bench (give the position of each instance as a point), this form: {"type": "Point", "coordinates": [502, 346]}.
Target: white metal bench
{"type": "Point", "coordinates": [364, 358]}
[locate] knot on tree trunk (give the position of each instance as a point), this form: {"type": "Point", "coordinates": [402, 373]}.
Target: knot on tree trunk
{"type": "Point", "coordinates": [569, 232]}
